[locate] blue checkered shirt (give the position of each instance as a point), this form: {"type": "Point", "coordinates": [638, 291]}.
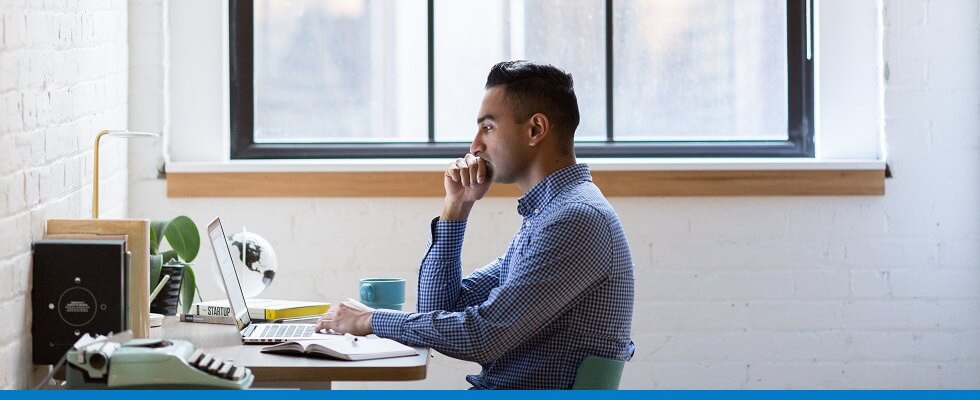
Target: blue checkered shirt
{"type": "Point", "coordinates": [561, 292]}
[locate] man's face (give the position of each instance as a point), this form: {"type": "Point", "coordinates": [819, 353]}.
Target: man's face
{"type": "Point", "coordinates": [500, 140]}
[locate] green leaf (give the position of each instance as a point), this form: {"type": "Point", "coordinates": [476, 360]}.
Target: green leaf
{"type": "Point", "coordinates": [156, 235]}
{"type": "Point", "coordinates": [156, 262]}
{"type": "Point", "coordinates": [169, 256]}
{"type": "Point", "coordinates": [182, 235]}
{"type": "Point", "coordinates": [187, 289]}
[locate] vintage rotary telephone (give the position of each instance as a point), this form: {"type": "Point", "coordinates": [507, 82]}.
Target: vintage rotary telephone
{"type": "Point", "coordinates": [103, 363]}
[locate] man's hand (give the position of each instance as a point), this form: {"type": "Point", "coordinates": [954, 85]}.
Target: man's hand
{"type": "Point", "coordinates": [466, 180]}
{"type": "Point", "coordinates": [349, 317]}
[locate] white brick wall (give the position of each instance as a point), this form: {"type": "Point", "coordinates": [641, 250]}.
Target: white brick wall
{"type": "Point", "coordinates": [63, 71]}
{"type": "Point", "coordinates": [789, 292]}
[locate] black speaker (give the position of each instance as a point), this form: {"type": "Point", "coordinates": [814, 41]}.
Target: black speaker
{"type": "Point", "coordinates": [78, 288]}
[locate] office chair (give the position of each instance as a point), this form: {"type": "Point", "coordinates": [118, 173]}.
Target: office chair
{"type": "Point", "coordinates": [597, 373]}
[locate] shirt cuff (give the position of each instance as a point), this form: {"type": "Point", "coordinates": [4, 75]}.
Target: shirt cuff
{"type": "Point", "coordinates": [447, 238]}
{"type": "Point", "coordinates": [388, 323]}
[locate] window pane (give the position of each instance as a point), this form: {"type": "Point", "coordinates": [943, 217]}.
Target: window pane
{"type": "Point", "coordinates": [471, 36]}
{"type": "Point", "coordinates": [340, 70]}
{"type": "Point", "coordinates": [700, 69]}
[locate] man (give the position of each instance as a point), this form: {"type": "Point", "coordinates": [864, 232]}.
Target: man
{"type": "Point", "coordinates": [564, 288]}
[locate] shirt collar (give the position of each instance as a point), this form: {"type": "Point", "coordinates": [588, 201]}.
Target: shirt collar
{"type": "Point", "coordinates": [542, 192]}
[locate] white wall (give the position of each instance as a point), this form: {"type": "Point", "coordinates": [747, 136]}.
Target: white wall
{"type": "Point", "coordinates": [732, 292]}
{"type": "Point", "coordinates": [62, 80]}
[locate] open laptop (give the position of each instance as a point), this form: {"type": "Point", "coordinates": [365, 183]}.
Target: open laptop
{"type": "Point", "coordinates": [251, 332]}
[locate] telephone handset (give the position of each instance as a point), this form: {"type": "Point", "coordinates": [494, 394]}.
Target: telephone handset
{"type": "Point", "coordinates": [149, 364]}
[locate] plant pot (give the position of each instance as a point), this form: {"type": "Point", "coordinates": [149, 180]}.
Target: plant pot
{"type": "Point", "coordinates": [166, 302]}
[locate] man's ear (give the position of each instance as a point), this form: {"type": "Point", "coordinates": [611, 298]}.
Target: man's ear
{"type": "Point", "coordinates": [539, 127]}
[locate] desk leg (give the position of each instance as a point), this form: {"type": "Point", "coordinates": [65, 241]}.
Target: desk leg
{"type": "Point", "coordinates": [302, 385]}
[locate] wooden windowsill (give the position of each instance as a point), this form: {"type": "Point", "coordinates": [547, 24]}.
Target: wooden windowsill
{"type": "Point", "coordinates": [273, 180]}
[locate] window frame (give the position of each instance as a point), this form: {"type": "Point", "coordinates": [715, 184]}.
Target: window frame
{"type": "Point", "coordinates": [800, 115]}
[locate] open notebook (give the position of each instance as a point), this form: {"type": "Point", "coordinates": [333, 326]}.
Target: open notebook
{"type": "Point", "coordinates": [363, 348]}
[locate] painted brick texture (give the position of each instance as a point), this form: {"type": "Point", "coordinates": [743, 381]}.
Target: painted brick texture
{"type": "Point", "coordinates": [63, 78]}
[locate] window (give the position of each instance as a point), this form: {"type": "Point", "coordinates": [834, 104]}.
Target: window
{"type": "Point", "coordinates": [404, 78]}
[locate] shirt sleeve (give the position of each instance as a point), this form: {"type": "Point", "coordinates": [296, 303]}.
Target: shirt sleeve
{"type": "Point", "coordinates": [440, 285]}
{"type": "Point", "coordinates": [566, 258]}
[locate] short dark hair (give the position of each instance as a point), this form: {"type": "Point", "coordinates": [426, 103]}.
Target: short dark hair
{"type": "Point", "coordinates": [533, 88]}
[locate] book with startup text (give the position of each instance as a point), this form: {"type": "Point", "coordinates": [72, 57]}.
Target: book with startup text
{"type": "Point", "coordinates": [207, 319]}
{"type": "Point", "coordinates": [339, 347]}
{"type": "Point", "coordinates": [262, 309]}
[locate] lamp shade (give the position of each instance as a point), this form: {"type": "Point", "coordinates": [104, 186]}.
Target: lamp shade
{"type": "Point", "coordinates": [130, 134]}
{"type": "Point", "coordinates": [120, 133]}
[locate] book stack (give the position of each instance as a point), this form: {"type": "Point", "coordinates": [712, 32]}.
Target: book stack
{"type": "Point", "coordinates": [136, 233]}
{"type": "Point", "coordinates": [219, 312]}
{"type": "Point", "coordinates": [78, 285]}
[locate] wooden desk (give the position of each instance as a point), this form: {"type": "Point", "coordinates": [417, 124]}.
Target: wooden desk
{"type": "Point", "coordinates": [280, 371]}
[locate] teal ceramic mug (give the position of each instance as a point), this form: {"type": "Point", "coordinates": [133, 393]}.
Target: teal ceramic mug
{"type": "Point", "coordinates": [386, 293]}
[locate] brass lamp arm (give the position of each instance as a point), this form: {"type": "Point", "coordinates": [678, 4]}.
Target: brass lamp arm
{"type": "Point", "coordinates": [95, 182]}
{"type": "Point", "coordinates": [95, 179]}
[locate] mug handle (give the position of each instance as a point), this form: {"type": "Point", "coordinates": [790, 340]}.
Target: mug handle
{"type": "Point", "coordinates": [367, 292]}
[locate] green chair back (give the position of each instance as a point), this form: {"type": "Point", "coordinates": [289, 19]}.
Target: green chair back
{"type": "Point", "coordinates": [597, 373]}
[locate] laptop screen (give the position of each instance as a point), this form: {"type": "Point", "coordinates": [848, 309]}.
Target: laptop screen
{"type": "Point", "coordinates": [226, 266]}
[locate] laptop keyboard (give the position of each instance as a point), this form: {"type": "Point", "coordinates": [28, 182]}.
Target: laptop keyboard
{"type": "Point", "coordinates": [287, 331]}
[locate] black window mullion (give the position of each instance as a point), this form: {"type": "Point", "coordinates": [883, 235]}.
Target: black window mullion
{"type": "Point", "coordinates": [609, 71]}
{"type": "Point", "coordinates": [241, 93]}
{"type": "Point", "coordinates": [431, 70]}
{"type": "Point", "coordinates": [800, 78]}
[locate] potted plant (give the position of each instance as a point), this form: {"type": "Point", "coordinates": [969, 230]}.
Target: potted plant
{"type": "Point", "coordinates": [182, 236]}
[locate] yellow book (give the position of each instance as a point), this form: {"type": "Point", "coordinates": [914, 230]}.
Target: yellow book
{"type": "Point", "coordinates": [263, 309]}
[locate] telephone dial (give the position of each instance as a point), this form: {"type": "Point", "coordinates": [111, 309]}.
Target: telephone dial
{"type": "Point", "coordinates": [98, 363]}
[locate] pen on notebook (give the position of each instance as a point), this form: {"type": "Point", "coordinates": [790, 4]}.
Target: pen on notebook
{"type": "Point", "coordinates": [351, 338]}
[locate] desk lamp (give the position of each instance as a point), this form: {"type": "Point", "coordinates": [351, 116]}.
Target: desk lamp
{"type": "Point", "coordinates": [95, 180]}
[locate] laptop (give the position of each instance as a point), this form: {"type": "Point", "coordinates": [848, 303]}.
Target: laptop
{"type": "Point", "coordinates": [251, 332]}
